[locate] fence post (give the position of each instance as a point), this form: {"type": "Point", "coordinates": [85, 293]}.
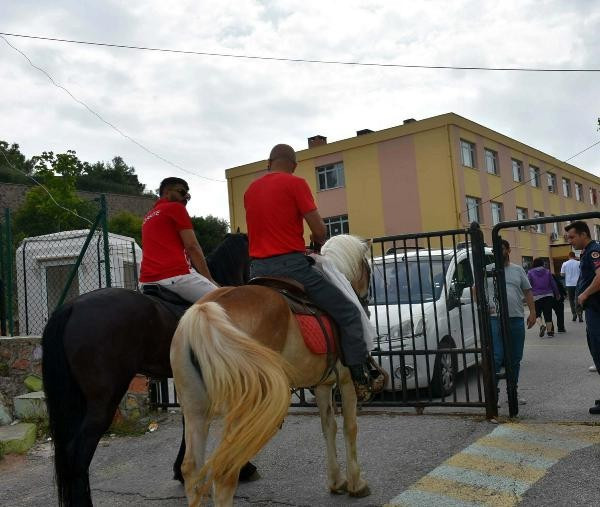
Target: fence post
{"type": "Point", "coordinates": [135, 271]}
{"type": "Point", "coordinates": [104, 222]}
{"type": "Point", "coordinates": [2, 287]}
{"type": "Point", "coordinates": [8, 264]}
{"type": "Point", "coordinates": [485, 328]}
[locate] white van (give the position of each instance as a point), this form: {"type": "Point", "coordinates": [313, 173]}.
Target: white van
{"type": "Point", "coordinates": [420, 300]}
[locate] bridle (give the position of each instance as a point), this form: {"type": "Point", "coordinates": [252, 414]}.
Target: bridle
{"type": "Point", "coordinates": [364, 299]}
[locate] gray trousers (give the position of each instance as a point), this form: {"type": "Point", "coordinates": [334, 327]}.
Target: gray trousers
{"type": "Point", "coordinates": [324, 295]}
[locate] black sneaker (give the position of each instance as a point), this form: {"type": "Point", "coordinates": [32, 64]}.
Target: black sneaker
{"type": "Point", "coordinates": [595, 410]}
{"type": "Point", "coordinates": [574, 318]}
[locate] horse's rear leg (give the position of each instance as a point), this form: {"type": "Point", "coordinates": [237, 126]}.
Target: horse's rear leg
{"type": "Point", "coordinates": [357, 486]}
{"type": "Point", "coordinates": [335, 478]}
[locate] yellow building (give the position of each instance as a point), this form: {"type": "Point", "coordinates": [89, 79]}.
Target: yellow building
{"type": "Point", "coordinates": [439, 173]}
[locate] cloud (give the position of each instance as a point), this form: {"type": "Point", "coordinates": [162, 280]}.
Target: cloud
{"type": "Point", "coordinates": [207, 114]}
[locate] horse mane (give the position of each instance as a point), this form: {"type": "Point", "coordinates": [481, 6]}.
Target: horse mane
{"type": "Point", "coordinates": [347, 252]}
{"type": "Point", "coordinates": [232, 252]}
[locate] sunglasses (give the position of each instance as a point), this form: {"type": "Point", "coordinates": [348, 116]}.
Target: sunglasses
{"type": "Point", "coordinates": [182, 192]}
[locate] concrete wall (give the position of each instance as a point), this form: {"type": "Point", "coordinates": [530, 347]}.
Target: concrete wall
{"type": "Point", "coordinates": [13, 195]}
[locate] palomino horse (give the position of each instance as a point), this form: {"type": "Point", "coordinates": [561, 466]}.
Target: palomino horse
{"type": "Point", "coordinates": [92, 348]}
{"type": "Point", "coordinates": [231, 357]}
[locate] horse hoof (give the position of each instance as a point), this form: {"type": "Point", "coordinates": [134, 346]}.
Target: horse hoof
{"type": "Point", "coordinates": [362, 492]}
{"type": "Point", "coordinates": [341, 490]}
{"type": "Point", "coordinates": [248, 473]}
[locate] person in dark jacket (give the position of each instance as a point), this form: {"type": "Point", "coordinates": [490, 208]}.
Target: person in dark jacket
{"type": "Point", "coordinates": [545, 292]}
{"type": "Point", "coordinates": [559, 305]}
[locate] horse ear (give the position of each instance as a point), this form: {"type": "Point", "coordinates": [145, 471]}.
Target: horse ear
{"type": "Point", "coordinates": [238, 230]}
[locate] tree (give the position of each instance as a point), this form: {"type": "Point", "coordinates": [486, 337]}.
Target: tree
{"type": "Point", "coordinates": [210, 231]}
{"type": "Point", "coordinates": [13, 164]}
{"type": "Point", "coordinates": [127, 224]}
{"type": "Point", "coordinates": [45, 214]}
{"type": "Point", "coordinates": [115, 176]}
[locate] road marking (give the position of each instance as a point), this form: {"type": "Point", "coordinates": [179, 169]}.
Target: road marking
{"type": "Point", "coordinates": [499, 468]}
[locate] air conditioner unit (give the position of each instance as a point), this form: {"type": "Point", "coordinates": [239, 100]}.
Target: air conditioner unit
{"type": "Point", "coordinates": [553, 236]}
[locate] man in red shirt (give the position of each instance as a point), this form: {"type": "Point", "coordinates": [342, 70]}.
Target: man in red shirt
{"type": "Point", "coordinates": [276, 205]}
{"type": "Point", "coordinates": [170, 247]}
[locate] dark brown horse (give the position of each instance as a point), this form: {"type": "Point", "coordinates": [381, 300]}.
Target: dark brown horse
{"type": "Point", "coordinates": [92, 349]}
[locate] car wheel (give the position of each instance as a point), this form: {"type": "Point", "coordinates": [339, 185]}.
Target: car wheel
{"type": "Point", "coordinates": [443, 381]}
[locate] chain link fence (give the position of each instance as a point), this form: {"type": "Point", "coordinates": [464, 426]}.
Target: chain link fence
{"type": "Point", "coordinates": [41, 273]}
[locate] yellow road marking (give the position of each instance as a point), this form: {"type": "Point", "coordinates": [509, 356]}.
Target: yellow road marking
{"type": "Point", "coordinates": [507, 443]}
{"type": "Point", "coordinates": [496, 467]}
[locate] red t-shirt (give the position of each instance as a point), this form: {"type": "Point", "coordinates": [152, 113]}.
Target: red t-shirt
{"type": "Point", "coordinates": [275, 207]}
{"type": "Point", "coordinates": [163, 254]}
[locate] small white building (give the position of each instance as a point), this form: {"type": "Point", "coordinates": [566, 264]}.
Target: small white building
{"type": "Point", "coordinates": [44, 263]}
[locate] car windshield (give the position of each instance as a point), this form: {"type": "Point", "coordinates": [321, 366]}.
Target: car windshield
{"type": "Point", "coordinates": [411, 282]}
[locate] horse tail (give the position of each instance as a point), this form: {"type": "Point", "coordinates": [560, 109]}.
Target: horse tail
{"type": "Point", "coordinates": [244, 380]}
{"type": "Point", "coordinates": [65, 401]}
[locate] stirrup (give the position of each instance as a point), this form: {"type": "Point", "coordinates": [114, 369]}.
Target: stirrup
{"type": "Point", "coordinates": [378, 376]}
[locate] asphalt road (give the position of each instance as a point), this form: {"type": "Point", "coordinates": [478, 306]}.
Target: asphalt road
{"type": "Point", "coordinates": [397, 448]}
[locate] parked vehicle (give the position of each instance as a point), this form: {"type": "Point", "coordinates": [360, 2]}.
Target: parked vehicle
{"type": "Point", "coordinates": [421, 301]}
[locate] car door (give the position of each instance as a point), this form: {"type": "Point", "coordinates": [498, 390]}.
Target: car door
{"type": "Point", "coordinates": [461, 315]}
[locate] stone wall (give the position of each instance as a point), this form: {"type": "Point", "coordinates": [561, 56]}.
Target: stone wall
{"type": "Point", "coordinates": [12, 195]}
{"type": "Point", "coordinates": [19, 357]}
{"type": "Point", "coordinates": [22, 356]}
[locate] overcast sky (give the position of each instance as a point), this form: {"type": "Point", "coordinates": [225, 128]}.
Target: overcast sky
{"type": "Point", "coordinates": [207, 114]}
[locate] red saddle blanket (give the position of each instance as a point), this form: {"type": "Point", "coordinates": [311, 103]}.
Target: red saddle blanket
{"type": "Point", "coordinates": [313, 334]}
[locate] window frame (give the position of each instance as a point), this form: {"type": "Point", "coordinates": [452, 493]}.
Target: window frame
{"type": "Point", "coordinates": [500, 208]}
{"type": "Point", "coordinates": [338, 167]}
{"type": "Point", "coordinates": [568, 194]}
{"type": "Point", "coordinates": [539, 228]}
{"type": "Point", "coordinates": [552, 183]}
{"type": "Point", "coordinates": [526, 265]}
{"type": "Point", "coordinates": [526, 210]}
{"type": "Point", "coordinates": [535, 175]}
{"type": "Point", "coordinates": [338, 219]}
{"type": "Point", "coordinates": [494, 158]}
{"type": "Point", "coordinates": [578, 191]}
{"type": "Point", "coordinates": [477, 208]}
{"type": "Point", "coordinates": [518, 164]}
{"type": "Point", "coordinates": [472, 152]}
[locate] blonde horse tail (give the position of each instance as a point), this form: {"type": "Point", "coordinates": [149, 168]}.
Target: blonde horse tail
{"type": "Point", "coordinates": [244, 380]}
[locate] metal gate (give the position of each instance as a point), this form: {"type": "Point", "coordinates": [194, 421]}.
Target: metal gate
{"type": "Point", "coordinates": [511, 385]}
{"type": "Point", "coordinates": [427, 303]}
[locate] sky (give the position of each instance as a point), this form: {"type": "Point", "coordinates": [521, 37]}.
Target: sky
{"type": "Point", "coordinates": [206, 114]}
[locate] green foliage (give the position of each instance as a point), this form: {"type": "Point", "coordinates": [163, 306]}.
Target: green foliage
{"type": "Point", "coordinates": [115, 176]}
{"type": "Point", "coordinates": [10, 155]}
{"type": "Point", "coordinates": [39, 214]}
{"type": "Point", "coordinates": [210, 231]}
{"type": "Point", "coordinates": [127, 224]}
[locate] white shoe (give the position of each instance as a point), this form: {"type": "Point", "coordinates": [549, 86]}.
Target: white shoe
{"type": "Point", "coordinates": [592, 368]}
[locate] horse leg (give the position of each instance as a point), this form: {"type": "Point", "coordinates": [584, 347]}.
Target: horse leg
{"type": "Point", "coordinates": [177, 475]}
{"type": "Point", "coordinates": [357, 486]}
{"type": "Point", "coordinates": [248, 473]}
{"type": "Point", "coordinates": [224, 491]}
{"type": "Point", "coordinates": [336, 480]}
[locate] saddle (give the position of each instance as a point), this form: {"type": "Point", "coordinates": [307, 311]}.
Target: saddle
{"type": "Point", "coordinates": [169, 299]}
{"type": "Point", "coordinates": [319, 331]}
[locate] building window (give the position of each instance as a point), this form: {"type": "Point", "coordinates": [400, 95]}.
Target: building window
{"type": "Point", "coordinates": [330, 176]}
{"type": "Point", "coordinates": [535, 176]}
{"type": "Point", "coordinates": [579, 191]}
{"type": "Point", "coordinates": [541, 228]}
{"type": "Point", "coordinates": [517, 170]}
{"type": "Point", "coordinates": [473, 205]}
{"type": "Point", "coordinates": [497, 213]}
{"type": "Point", "coordinates": [527, 262]}
{"type": "Point", "coordinates": [522, 215]}
{"type": "Point", "coordinates": [597, 227]}
{"type": "Point", "coordinates": [56, 279]}
{"type": "Point", "coordinates": [593, 197]}
{"type": "Point", "coordinates": [337, 225]}
{"type": "Point", "coordinates": [551, 182]}
{"type": "Point", "coordinates": [467, 151]}
{"type": "Point", "coordinates": [556, 228]}
{"type": "Point", "coordinates": [491, 161]}
{"type": "Point", "coordinates": [566, 184]}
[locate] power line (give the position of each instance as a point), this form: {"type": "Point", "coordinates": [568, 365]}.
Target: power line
{"type": "Point", "coordinates": [525, 182]}
{"type": "Point", "coordinates": [73, 212]}
{"type": "Point", "coordinates": [301, 60]}
{"type": "Point", "coordinates": [114, 127]}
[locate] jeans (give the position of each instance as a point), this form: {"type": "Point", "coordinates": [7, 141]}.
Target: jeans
{"type": "Point", "coordinates": [325, 295]}
{"type": "Point", "coordinates": [517, 340]}
{"type": "Point", "coordinates": [190, 287]}
{"type": "Point", "coordinates": [571, 291]}
{"type": "Point", "coordinates": [592, 325]}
